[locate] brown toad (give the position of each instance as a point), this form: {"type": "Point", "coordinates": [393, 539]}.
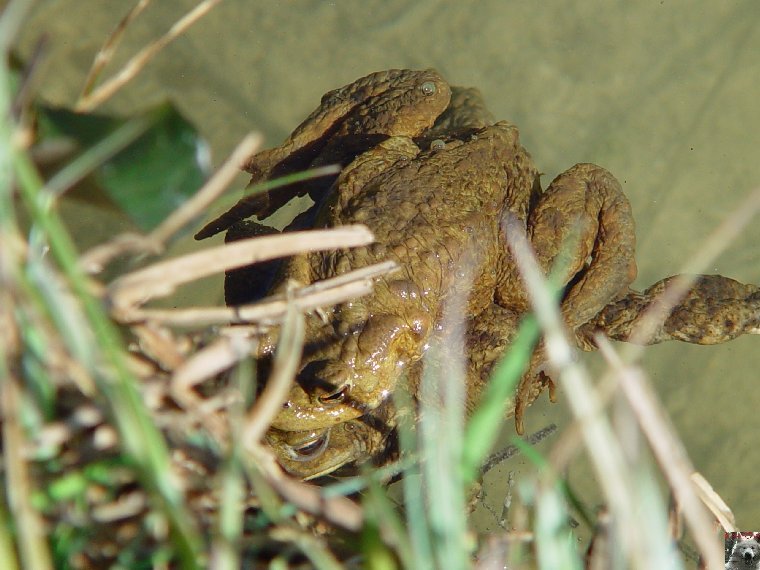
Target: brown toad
{"type": "Point", "coordinates": [434, 205]}
{"type": "Point", "coordinates": [435, 212]}
{"type": "Point", "coordinates": [436, 198]}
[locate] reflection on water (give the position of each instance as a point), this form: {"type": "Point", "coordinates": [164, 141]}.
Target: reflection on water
{"type": "Point", "coordinates": [661, 94]}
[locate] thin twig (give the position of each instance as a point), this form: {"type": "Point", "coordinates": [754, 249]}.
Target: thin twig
{"type": "Point", "coordinates": [368, 272]}
{"type": "Point", "coordinates": [106, 52]}
{"type": "Point", "coordinates": [94, 260]}
{"type": "Point", "coordinates": [135, 65]}
{"type": "Point", "coordinates": [162, 346]}
{"type": "Point", "coordinates": [511, 450]}
{"type": "Point", "coordinates": [265, 312]}
{"type": "Point", "coordinates": [209, 192]}
{"type": "Point", "coordinates": [213, 359]}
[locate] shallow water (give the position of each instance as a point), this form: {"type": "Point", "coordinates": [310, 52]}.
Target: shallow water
{"type": "Point", "coordinates": [663, 94]}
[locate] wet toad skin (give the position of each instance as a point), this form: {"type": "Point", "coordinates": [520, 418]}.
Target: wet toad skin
{"type": "Point", "coordinates": [444, 207]}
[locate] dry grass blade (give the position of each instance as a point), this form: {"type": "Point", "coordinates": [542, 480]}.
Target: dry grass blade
{"type": "Point", "coordinates": [286, 360]}
{"type": "Point", "coordinates": [213, 359]}
{"type": "Point", "coordinates": [321, 294]}
{"type": "Point", "coordinates": [209, 192]}
{"type": "Point", "coordinates": [141, 59]}
{"type": "Point", "coordinates": [106, 52]}
{"type": "Point", "coordinates": [718, 507]}
{"type": "Point", "coordinates": [604, 453]}
{"type": "Point", "coordinates": [94, 260]}
{"type": "Point", "coordinates": [369, 272]}
{"type": "Point", "coordinates": [668, 450]}
{"type": "Point", "coordinates": [161, 346]}
{"type": "Point", "coordinates": [162, 279]}
{"type": "Point", "coordinates": [32, 536]}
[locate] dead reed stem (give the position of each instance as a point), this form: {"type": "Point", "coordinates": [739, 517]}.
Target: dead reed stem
{"type": "Point", "coordinates": [163, 278]}
{"type": "Point", "coordinates": [106, 52]}
{"type": "Point", "coordinates": [98, 96]}
{"type": "Point", "coordinates": [272, 309]}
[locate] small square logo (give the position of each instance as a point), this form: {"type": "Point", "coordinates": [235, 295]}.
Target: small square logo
{"type": "Point", "coordinates": [742, 550]}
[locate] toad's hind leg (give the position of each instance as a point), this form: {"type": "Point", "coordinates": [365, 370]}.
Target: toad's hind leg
{"type": "Point", "coordinates": [583, 224]}
{"type": "Point", "coordinates": [715, 309]}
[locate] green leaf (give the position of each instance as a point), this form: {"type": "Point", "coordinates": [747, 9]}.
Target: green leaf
{"type": "Point", "coordinates": [157, 164]}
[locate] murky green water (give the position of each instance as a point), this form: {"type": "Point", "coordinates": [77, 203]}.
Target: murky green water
{"type": "Point", "coordinates": [664, 94]}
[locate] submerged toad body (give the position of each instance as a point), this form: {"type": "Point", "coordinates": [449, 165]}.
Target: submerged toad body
{"type": "Point", "coordinates": [435, 180]}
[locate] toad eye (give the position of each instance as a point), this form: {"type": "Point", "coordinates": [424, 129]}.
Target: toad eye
{"type": "Point", "coordinates": [336, 397]}
{"type": "Point", "coordinates": [428, 88]}
{"type": "Point", "coordinates": [310, 449]}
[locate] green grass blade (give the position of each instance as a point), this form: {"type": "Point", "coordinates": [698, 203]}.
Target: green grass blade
{"type": "Point", "coordinates": [441, 435]}
{"type": "Point", "coordinates": [141, 440]}
{"type": "Point", "coordinates": [416, 519]}
{"type": "Point", "coordinates": [486, 421]}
